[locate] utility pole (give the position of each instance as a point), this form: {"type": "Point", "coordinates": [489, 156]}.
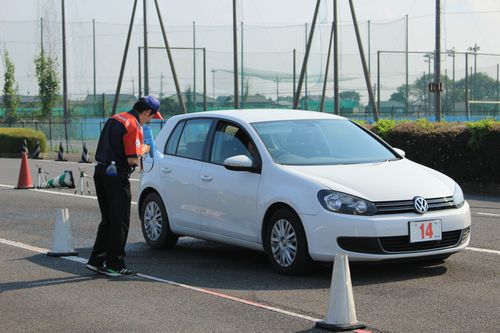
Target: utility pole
{"type": "Point", "coordinates": [322, 103]}
{"type": "Point", "coordinates": [428, 56]}
{"type": "Point", "coordinates": [235, 59]}
{"type": "Point", "coordinates": [437, 64]}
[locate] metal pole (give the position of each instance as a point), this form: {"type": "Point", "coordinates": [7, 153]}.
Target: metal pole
{"type": "Point", "coordinates": [65, 81]}
{"type": "Point", "coordinates": [146, 62]}
{"type": "Point", "coordinates": [363, 61]}
{"type": "Point", "coordinates": [235, 59]}
{"type": "Point", "coordinates": [93, 49]}
{"type": "Point", "coordinates": [378, 80]}
{"type": "Point", "coordinates": [140, 74]}
{"type": "Point", "coordinates": [205, 106]}
{"type": "Point", "coordinates": [453, 91]}
{"type": "Point", "coordinates": [467, 82]}
{"type": "Point", "coordinates": [294, 73]}
{"type": "Point", "coordinates": [41, 34]}
{"type": "Point", "coordinates": [194, 65]}
{"type": "Point", "coordinates": [336, 98]}
{"type": "Point", "coordinates": [242, 72]}
{"type": "Point", "coordinates": [369, 50]}
{"type": "Point", "coordinates": [437, 64]}
{"type": "Point", "coordinates": [306, 92]}
{"type": "Point", "coordinates": [124, 60]}
{"type": "Point", "coordinates": [161, 85]}
{"type": "Point", "coordinates": [306, 57]}
{"type": "Point", "coordinates": [171, 61]}
{"type": "Point", "coordinates": [498, 77]}
{"type": "Point", "coordinates": [407, 87]}
{"type": "Point", "coordinates": [322, 104]}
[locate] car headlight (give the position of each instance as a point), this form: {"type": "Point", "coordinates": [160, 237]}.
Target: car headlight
{"type": "Point", "coordinates": [339, 202]}
{"type": "Point", "coordinates": [458, 197]}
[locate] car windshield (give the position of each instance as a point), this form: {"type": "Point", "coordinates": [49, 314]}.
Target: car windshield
{"type": "Point", "coordinates": [320, 142]}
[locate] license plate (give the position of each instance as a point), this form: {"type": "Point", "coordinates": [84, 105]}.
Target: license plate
{"type": "Point", "coordinates": [424, 231]}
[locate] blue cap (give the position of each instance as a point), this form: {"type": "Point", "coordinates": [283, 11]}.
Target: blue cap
{"type": "Point", "coordinates": [152, 102]}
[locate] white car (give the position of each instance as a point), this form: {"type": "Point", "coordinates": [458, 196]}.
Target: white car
{"type": "Point", "coordinates": [301, 186]}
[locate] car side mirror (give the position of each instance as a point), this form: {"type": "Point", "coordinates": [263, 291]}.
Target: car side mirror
{"type": "Point", "coordinates": [239, 163]}
{"type": "Point", "coordinates": [400, 152]}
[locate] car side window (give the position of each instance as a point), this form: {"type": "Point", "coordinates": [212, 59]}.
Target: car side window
{"type": "Point", "coordinates": [173, 140]}
{"type": "Point", "coordinates": [230, 140]}
{"type": "Point", "coordinates": [192, 139]}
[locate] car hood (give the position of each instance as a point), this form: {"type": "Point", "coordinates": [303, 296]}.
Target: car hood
{"type": "Point", "coordinates": [384, 181]}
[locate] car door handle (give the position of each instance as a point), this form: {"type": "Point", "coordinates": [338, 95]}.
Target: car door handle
{"type": "Point", "coordinates": [166, 170]}
{"type": "Point", "coordinates": [207, 178]}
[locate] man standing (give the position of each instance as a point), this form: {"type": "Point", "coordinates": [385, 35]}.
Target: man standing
{"type": "Point", "coordinates": [118, 153]}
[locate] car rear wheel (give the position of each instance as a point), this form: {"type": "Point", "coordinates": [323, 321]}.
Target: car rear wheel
{"type": "Point", "coordinates": [286, 244]}
{"type": "Point", "coordinates": [154, 223]}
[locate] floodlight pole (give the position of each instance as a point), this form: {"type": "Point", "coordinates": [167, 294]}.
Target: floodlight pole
{"type": "Point", "coordinates": [336, 98]}
{"type": "Point", "coordinates": [146, 62]}
{"type": "Point", "coordinates": [306, 57]}
{"type": "Point", "coordinates": [65, 80]}
{"type": "Point", "coordinates": [93, 56]}
{"type": "Point", "coordinates": [124, 60]}
{"type": "Point", "coordinates": [235, 58]}
{"type": "Point", "coordinates": [171, 61]}
{"type": "Point", "coordinates": [363, 61]}
{"type": "Point", "coordinates": [437, 64]}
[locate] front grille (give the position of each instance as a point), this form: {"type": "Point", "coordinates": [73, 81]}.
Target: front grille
{"type": "Point", "coordinates": [401, 244]}
{"type": "Point", "coordinates": [407, 206]}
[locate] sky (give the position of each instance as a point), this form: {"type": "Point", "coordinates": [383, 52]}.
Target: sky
{"type": "Point", "coordinates": [272, 29]}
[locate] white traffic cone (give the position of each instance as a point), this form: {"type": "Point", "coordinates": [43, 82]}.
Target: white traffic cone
{"type": "Point", "coordinates": [62, 241]}
{"type": "Point", "coordinates": [341, 314]}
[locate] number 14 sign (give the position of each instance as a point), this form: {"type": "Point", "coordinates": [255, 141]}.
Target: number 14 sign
{"type": "Point", "coordinates": [422, 231]}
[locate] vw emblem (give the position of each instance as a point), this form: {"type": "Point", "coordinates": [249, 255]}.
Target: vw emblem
{"type": "Point", "coordinates": [420, 204]}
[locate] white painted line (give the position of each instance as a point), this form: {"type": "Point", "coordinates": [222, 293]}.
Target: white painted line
{"type": "Point", "coordinates": [59, 193]}
{"type": "Point", "coordinates": [65, 162]}
{"type": "Point", "coordinates": [482, 250]}
{"type": "Point", "coordinates": [173, 283]}
{"type": "Point", "coordinates": [134, 180]}
{"type": "Point", "coordinates": [489, 214]}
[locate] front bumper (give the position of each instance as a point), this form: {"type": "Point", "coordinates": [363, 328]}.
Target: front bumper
{"type": "Point", "coordinates": [383, 237]}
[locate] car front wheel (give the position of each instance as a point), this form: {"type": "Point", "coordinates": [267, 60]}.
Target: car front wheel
{"type": "Point", "coordinates": [154, 223]}
{"type": "Point", "coordinates": [286, 244]}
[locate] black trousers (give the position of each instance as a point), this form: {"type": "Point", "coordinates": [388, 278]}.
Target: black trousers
{"type": "Point", "coordinates": [113, 195]}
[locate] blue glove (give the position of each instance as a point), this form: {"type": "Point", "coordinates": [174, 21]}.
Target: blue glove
{"type": "Point", "coordinates": [149, 139]}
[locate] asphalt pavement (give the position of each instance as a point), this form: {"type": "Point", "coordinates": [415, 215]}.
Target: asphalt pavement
{"type": "Point", "coordinates": [209, 287]}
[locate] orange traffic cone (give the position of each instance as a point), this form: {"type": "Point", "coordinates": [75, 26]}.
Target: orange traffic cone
{"type": "Point", "coordinates": [24, 181]}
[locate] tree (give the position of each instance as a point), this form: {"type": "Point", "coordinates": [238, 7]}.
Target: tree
{"type": "Point", "coordinates": [169, 107]}
{"type": "Point", "coordinates": [350, 95]}
{"type": "Point", "coordinates": [48, 82]}
{"type": "Point", "coordinates": [11, 99]}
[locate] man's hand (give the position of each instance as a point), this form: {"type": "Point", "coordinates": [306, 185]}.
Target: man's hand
{"type": "Point", "coordinates": [145, 149]}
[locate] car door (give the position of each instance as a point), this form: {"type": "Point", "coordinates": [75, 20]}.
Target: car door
{"type": "Point", "coordinates": [228, 199]}
{"type": "Point", "coordinates": [180, 171]}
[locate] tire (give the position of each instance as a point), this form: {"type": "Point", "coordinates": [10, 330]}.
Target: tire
{"type": "Point", "coordinates": [285, 243]}
{"type": "Point", "coordinates": [154, 223]}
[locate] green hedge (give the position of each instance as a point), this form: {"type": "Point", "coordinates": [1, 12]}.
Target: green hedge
{"type": "Point", "coordinates": [11, 141]}
{"type": "Point", "coordinates": [467, 152]}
